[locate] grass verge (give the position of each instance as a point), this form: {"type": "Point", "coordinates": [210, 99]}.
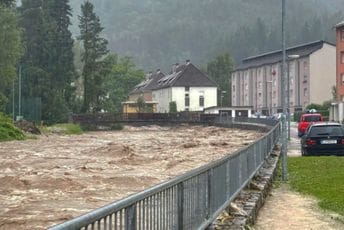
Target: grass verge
{"type": "Point", "coordinates": [321, 177]}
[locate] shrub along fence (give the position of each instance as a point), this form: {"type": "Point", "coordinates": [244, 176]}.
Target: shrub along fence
{"type": "Point", "coordinates": [192, 200]}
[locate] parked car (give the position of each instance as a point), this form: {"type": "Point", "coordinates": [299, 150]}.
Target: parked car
{"type": "Point", "coordinates": [323, 138]}
{"type": "Point", "coordinates": [306, 120]}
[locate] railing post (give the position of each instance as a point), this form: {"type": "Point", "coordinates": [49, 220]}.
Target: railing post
{"type": "Point", "coordinates": [130, 217]}
{"type": "Point", "coordinates": [210, 194]}
{"type": "Point", "coordinates": [180, 207]}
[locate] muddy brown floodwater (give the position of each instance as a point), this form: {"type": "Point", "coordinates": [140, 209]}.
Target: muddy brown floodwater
{"type": "Point", "coordinates": [54, 178]}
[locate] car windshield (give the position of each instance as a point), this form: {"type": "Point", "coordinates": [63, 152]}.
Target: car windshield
{"type": "Point", "coordinates": [333, 130]}
{"type": "Point", "coordinates": [312, 118]}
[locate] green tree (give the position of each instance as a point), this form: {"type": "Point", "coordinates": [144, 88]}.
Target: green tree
{"type": "Point", "coordinates": [119, 81]}
{"type": "Point", "coordinates": [172, 107]}
{"type": "Point", "coordinates": [220, 71]}
{"type": "Point", "coordinates": [8, 3]}
{"type": "Point", "coordinates": [141, 105]}
{"type": "Point", "coordinates": [95, 48]}
{"type": "Point", "coordinates": [58, 14]}
{"type": "Point", "coordinates": [36, 63]}
{"type": "Point", "coordinates": [10, 52]}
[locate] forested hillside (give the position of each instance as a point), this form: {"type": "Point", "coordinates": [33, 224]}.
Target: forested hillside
{"type": "Point", "coordinates": [157, 33]}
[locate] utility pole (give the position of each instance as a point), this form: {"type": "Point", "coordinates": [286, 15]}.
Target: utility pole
{"type": "Point", "coordinates": [13, 110]}
{"type": "Point", "coordinates": [284, 102]}
{"type": "Point", "coordinates": [19, 100]}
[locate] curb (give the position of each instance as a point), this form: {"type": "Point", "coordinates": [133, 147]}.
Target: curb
{"type": "Point", "coordinates": [243, 211]}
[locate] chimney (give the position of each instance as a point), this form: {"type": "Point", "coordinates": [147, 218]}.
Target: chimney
{"type": "Point", "coordinates": [187, 61]}
{"type": "Point", "coordinates": [174, 68]}
{"type": "Point", "coordinates": [149, 76]}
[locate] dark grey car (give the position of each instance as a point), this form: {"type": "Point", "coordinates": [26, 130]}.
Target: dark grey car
{"type": "Point", "coordinates": [323, 138]}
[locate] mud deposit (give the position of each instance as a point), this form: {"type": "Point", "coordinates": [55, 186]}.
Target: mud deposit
{"type": "Point", "coordinates": [55, 178]}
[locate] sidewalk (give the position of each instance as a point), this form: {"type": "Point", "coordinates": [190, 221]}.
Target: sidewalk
{"type": "Point", "coordinates": [285, 209]}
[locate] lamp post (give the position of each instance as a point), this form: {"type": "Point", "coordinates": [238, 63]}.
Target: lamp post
{"type": "Point", "coordinates": [284, 102]}
{"type": "Point", "coordinates": [19, 93]}
{"type": "Point", "coordinates": [290, 57]}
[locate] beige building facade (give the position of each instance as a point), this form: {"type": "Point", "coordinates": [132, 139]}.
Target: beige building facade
{"type": "Point", "coordinates": [311, 72]}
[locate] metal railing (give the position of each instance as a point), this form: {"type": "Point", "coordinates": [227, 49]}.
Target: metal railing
{"type": "Point", "coordinates": [190, 201]}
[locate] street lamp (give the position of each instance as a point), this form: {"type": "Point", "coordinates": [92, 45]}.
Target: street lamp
{"type": "Point", "coordinates": [222, 95]}
{"type": "Point", "coordinates": [284, 148]}
{"type": "Point", "coordinates": [290, 57]}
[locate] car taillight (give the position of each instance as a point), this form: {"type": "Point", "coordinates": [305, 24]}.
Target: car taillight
{"type": "Point", "coordinates": [342, 141]}
{"type": "Point", "coordinates": [310, 142]}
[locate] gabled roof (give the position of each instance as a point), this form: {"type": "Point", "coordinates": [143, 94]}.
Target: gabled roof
{"type": "Point", "coordinates": [185, 75]}
{"type": "Point", "coordinates": [276, 56]}
{"type": "Point", "coordinates": [147, 84]}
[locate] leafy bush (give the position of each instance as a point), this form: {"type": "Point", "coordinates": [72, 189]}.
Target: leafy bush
{"type": "Point", "coordinates": [8, 131]}
{"type": "Point", "coordinates": [297, 116]}
{"type": "Point", "coordinates": [173, 107]}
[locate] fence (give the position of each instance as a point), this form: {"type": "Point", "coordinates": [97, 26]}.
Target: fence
{"type": "Point", "coordinates": [190, 201]}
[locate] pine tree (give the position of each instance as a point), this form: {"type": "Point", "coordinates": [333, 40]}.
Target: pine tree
{"type": "Point", "coordinates": [48, 68]}
{"type": "Point", "coordinates": [10, 52]}
{"type": "Point", "coordinates": [95, 48]}
{"type": "Point", "coordinates": [219, 70]}
{"type": "Point", "coordinates": [58, 13]}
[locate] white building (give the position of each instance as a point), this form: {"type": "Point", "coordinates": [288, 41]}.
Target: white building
{"type": "Point", "coordinates": [190, 88]}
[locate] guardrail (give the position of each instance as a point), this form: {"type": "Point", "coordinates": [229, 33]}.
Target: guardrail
{"type": "Point", "coordinates": [190, 201]}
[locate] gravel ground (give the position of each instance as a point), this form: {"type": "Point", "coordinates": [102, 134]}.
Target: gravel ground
{"type": "Point", "coordinates": [55, 178]}
{"type": "Point", "coordinates": [288, 210]}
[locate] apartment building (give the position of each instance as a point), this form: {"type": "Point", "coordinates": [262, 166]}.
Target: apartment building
{"type": "Point", "coordinates": [340, 61]}
{"type": "Point", "coordinates": [311, 72]}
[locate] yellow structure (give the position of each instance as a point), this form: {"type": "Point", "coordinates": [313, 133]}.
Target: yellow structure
{"type": "Point", "coordinates": [132, 107]}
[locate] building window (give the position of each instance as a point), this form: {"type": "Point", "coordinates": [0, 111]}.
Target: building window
{"type": "Point", "coordinates": [259, 94]}
{"type": "Point", "coordinates": [246, 86]}
{"type": "Point", "coordinates": [305, 79]}
{"type": "Point", "coordinates": [201, 101]}
{"type": "Point", "coordinates": [342, 57]}
{"type": "Point", "coordinates": [233, 88]}
{"type": "Point", "coordinates": [342, 78]}
{"type": "Point", "coordinates": [187, 100]}
{"type": "Point", "coordinates": [305, 92]}
{"type": "Point", "coordinates": [260, 84]}
{"type": "Point", "coordinates": [342, 35]}
{"type": "Point", "coordinates": [187, 88]}
{"type": "Point", "coordinates": [305, 65]}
